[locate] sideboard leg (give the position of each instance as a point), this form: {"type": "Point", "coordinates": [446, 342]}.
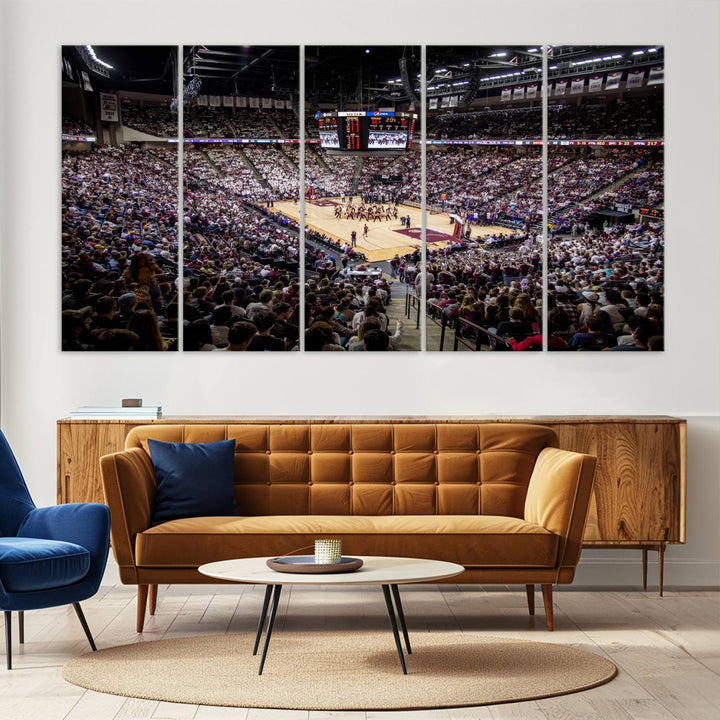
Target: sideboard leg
{"type": "Point", "coordinates": [547, 593]}
{"type": "Point", "coordinates": [141, 605]}
{"type": "Point", "coordinates": [530, 590]}
{"type": "Point", "coordinates": [661, 567]}
{"type": "Point", "coordinates": [644, 566]}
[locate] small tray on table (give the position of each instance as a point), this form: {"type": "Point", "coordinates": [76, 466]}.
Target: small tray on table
{"type": "Point", "coordinates": [307, 564]}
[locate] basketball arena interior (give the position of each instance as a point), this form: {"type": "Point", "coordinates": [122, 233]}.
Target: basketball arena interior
{"type": "Point", "coordinates": [353, 198]}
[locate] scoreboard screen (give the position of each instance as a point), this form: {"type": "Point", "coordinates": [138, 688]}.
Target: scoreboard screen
{"type": "Point", "coordinates": [387, 133]}
{"type": "Point", "coordinates": [366, 130]}
{"type": "Point", "coordinates": [328, 128]}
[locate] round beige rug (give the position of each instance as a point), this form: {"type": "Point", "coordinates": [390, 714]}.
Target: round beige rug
{"type": "Point", "coordinates": [340, 671]}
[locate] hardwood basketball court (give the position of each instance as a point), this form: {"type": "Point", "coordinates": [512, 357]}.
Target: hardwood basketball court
{"type": "Point", "coordinates": [384, 238]}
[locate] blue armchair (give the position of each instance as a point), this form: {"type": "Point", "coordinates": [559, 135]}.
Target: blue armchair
{"type": "Point", "coordinates": [48, 556]}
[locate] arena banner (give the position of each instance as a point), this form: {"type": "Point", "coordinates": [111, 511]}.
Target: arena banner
{"type": "Point", "coordinates": [595, 83]}
{"type": "Point", "coordinates": [228, 101]}
{"type": "Point", "coordinates": [109, 111]}
{"type": "Point", "coordinates": [656, 75]}
{"type": "Point", "coordinates": [279, 104]}
{"type": "Point", "coordinates": [634, 79]}
{"type": "Point", "coordinates": [433, 103]}
{"type": "Point", "coordinates": [214, 101]}
{"type": "Point", "coordinates": [86, 81]}
{"type": "Point", "coordinates": [613, 81]}
{"type": "Point", "coordinates": [254, 102]}
{"type": "Point", "coordinates": [519, 92]}
{"type": "Point", "coordinates": [444, 102]}
{"type": "Point", "coordinates": [560, 86]}
{"type": "Point", "coordinates": [531, 92]}
{"type": "Point", "coordinates": [288, 105]}
{"type": "Point", "coordinates": [202, 100]}
{"type": "Point", "coordinates": [454, 100]}
{"type": "Point", "coordinates": [506, 94]}
{"type": "Point", "coordinates": [577, 86]}
{"type": "Point", "coordinates": [241, 101]}
{"type": "Point", "coordinates": [267, 103]}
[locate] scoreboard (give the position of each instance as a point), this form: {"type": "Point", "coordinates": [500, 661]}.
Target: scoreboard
{"type": "Point", "coordinates": [366, 130]}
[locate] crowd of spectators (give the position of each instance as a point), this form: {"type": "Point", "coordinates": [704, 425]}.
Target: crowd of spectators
{"type": "Point", "coordinates": [637, 118]}
{"type": "Point", "coordinates": [336, 182]}
{"type": "Point", "coordinates": [379, 175]}
{"type": "Point", "coordinates": [73, 126]}
{"type": "Point", "coordinates": [605, 289]}
{"type": "Point", "coordinates": [281, 175]}
{"type": "Point", "coordinates": [486, 124]}
{"type": "Point", "coordinates": [346, 315]}
{"type": "Point", "coordinates": [241, 261]}
{"type": "Point", "coordinates": [119, 250]}
{"type": "Point", "coordinates": [629, 118]}
{"type": "Point", "coordinates": [156, 120]}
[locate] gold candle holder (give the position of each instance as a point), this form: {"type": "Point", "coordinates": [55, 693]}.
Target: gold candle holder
{"type": "Point", "coordinates": [328, 552]}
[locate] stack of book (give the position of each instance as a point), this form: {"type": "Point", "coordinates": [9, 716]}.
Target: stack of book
{"type": "Point", "coordinates": [116, 412]}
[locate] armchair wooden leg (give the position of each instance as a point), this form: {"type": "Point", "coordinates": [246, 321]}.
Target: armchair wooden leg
{"type": "Point", "coordinates": [152, 597]}
{"type": "Point", "coordinates": [83, 622]}
{"type": "Point", "coordinates": [141, 605]}
{"type": "Point", "coordinates": [530, 590]}
{"type": "Point", "coordinates": [8, 638]}
{"type": "Point", "coordinates": [21, 626]}
{"type": "Point", "coordinates": [547, 594]}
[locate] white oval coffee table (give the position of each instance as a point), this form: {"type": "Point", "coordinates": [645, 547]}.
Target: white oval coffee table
{"type": "Point", "coordinates": [388, 572]}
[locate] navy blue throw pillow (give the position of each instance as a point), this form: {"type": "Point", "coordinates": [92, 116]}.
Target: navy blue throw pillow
{"type": "Point", "coordinates": [193, 479]}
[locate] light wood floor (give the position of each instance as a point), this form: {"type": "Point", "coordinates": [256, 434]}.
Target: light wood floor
{"type": "Point", "coordinates": [667, 649]}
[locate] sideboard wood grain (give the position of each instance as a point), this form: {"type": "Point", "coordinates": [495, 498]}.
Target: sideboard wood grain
{"type": "Point", "coordinates": [640, 486]}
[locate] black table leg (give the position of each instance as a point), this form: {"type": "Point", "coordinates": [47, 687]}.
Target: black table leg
{"type": "Point", "coordinates": [271, 622]}
{"type": "Point", "coordinates": [401, 616]}
{"type": "Point", "coordinates": [263, 615]}
{"type": "Point", "coordinates": [393, 624]}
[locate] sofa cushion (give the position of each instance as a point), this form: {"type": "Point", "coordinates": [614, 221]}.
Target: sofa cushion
{"type": "Point", "coordinates": [193, 479]}
{"type": "Point", "coordinates": [470, 540]}
{"type": "Point", "coordinates": [31, 564]}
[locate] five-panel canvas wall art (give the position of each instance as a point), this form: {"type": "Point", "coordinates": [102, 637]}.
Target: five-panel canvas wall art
{"type": "Point", "coordinates": [362, 198]}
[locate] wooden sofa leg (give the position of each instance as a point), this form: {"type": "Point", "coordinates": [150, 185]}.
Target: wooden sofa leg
{"type": "Point", "coordinates": [547, 594]}
{"type": "Point", "coordinates": [152, 596]}
{"type": "Point", "coordinates": [530, 590]}
{"type": "Point", "coordinates": [142, 595]}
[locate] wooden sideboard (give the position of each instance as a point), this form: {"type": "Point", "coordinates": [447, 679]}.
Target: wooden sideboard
{"type": "Point", "coordinates": [640, 486]}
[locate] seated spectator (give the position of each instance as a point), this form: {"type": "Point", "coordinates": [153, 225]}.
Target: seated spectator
{"type": "Point", "coordinates": [116, 339]}
{"type": "Point", "coordinates": [144, 323]}
{"type": "Point", "coordinates": [594, 338]}
{"type": "Point", "coordinates": [516, 327]}
{"type": "Point", "coordinates": [319, 336]}
{"type": "Point", "coordinates": [240, 335]}
{"type": "Point", "coordinates": [263, 341]}
{"type": "Point", "coordinates": [222, 318]}
{"type": "Point", "coordinates": [375, 340]}
{"type": "Point", "coordinates": [197, 336]}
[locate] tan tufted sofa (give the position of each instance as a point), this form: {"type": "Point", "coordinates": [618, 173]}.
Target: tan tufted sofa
{"type": "Point", "coordinates": [500, 499]}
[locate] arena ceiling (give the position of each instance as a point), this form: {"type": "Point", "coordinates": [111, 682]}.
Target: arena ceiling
{"type": "Point", "coordinates": [346, 74]}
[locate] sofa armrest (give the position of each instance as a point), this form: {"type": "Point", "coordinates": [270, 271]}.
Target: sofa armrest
{"type": "Point", "coordinates": [558, 499]}
{"type": "Point", "coordinates": [129, 488]}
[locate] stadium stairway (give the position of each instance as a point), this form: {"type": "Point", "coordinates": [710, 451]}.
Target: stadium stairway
{"type": "Point", "coordinates": [256, 174]}
{"type": "Point", "coordinates": [288, 159]}
{"type": "Point", "coordinates": [357, 175]}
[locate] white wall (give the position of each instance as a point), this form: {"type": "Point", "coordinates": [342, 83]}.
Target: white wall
{"type": "Point", "coordinates": [40, 384]}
